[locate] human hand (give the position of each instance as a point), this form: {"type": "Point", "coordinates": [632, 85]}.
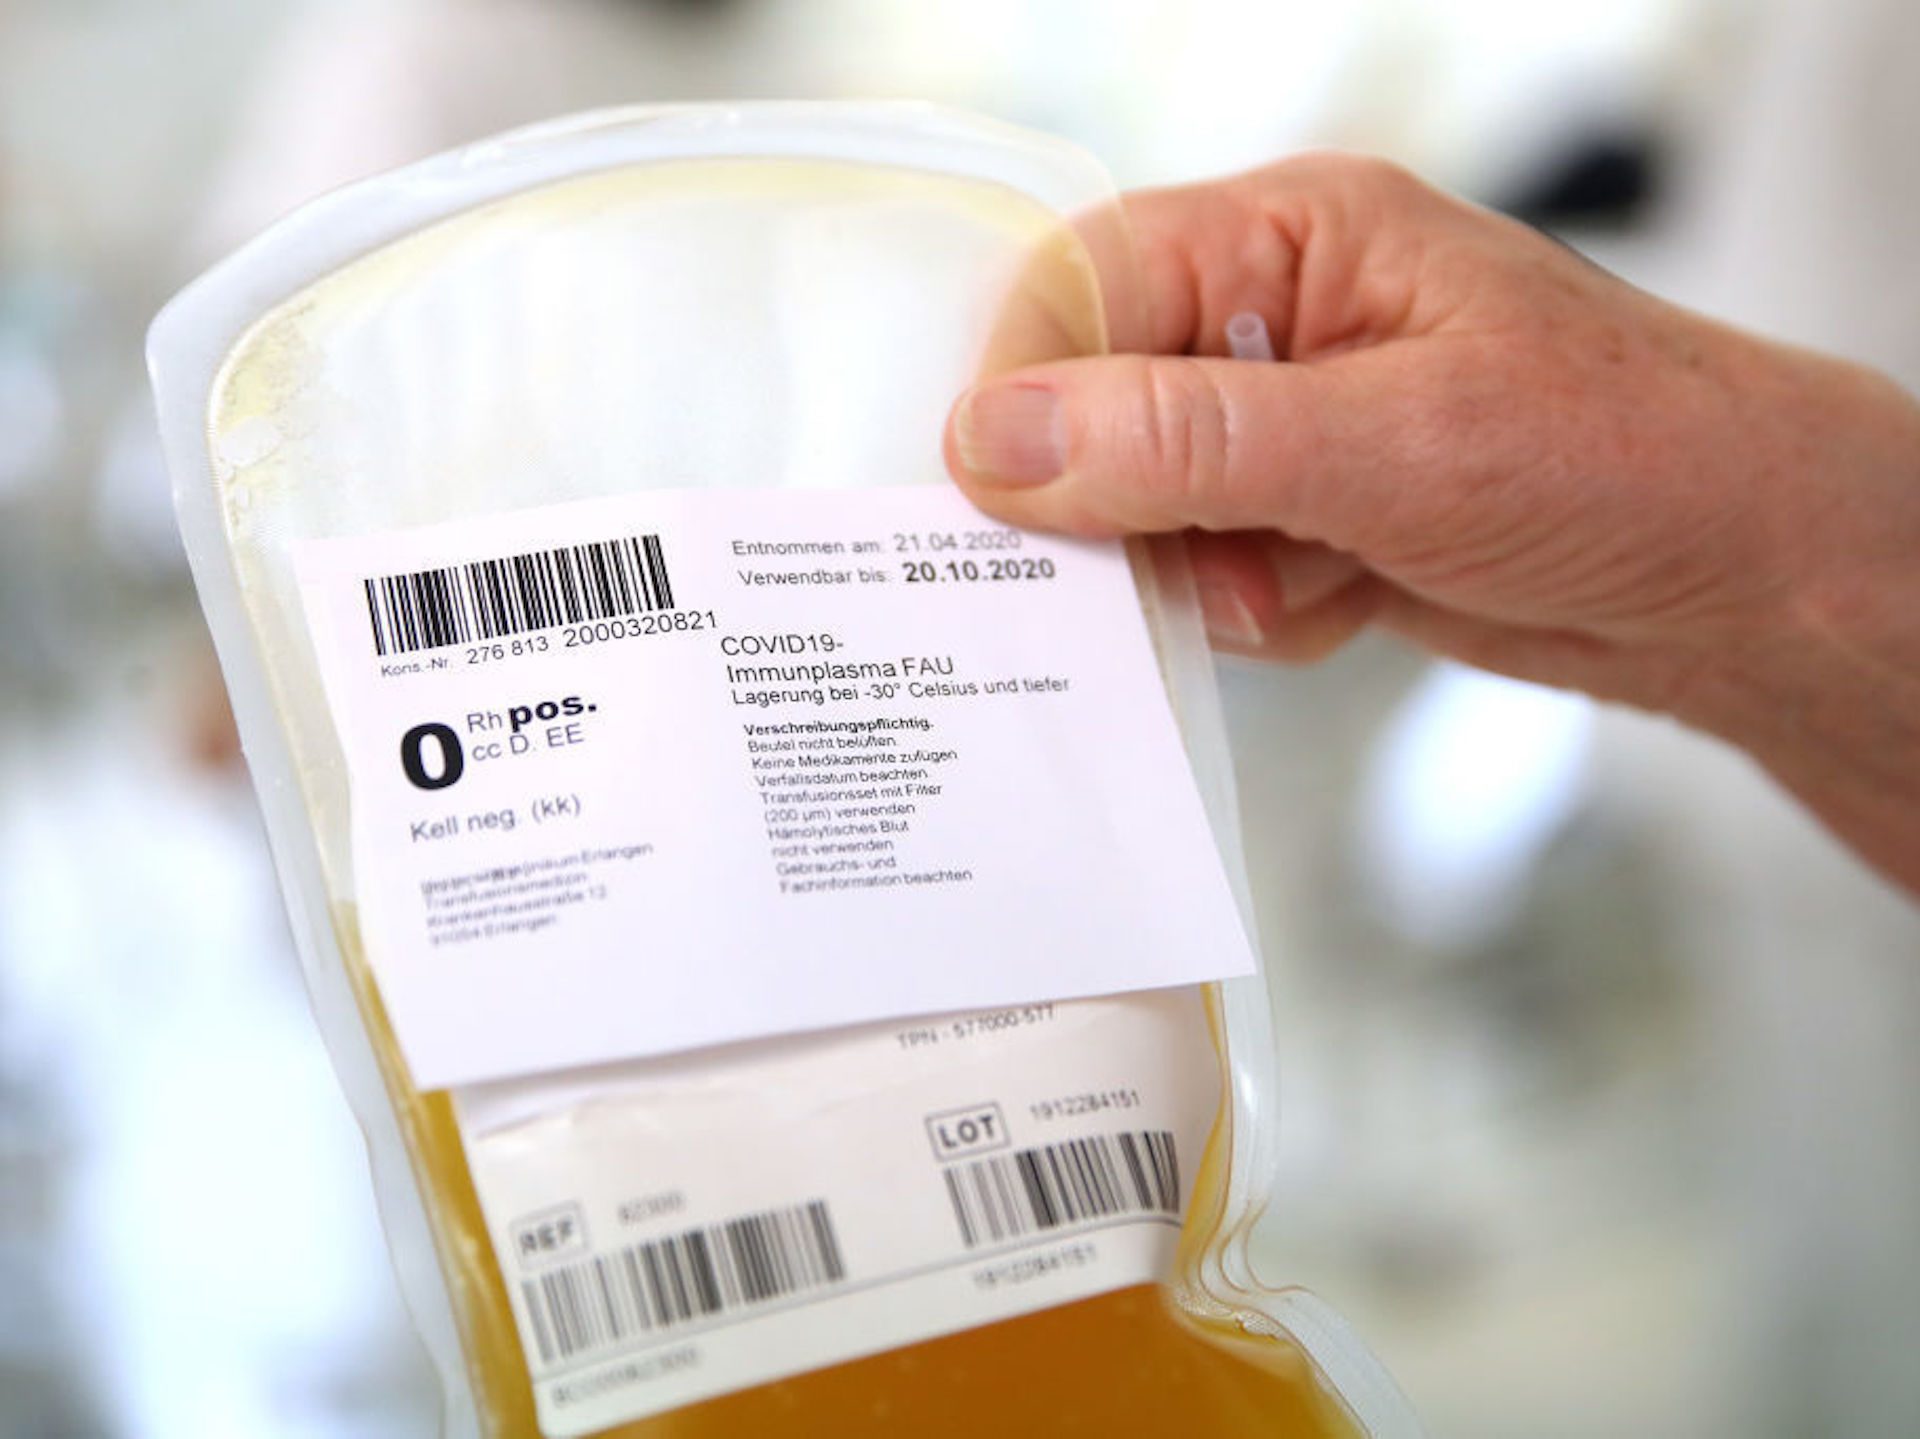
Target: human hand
{"type": "Point", "coordinates": [1483, 443]}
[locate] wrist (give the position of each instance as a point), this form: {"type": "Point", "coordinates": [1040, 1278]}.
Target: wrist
{"type": "Point", "coordinates": [1826, 696]}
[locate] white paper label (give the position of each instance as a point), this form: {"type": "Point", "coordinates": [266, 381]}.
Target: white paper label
{"type": "Point", "coordinates": [638, 775]}
{"type": "Point", "coordinates": [682, 1228]}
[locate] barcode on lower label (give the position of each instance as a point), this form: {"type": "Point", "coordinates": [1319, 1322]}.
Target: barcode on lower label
{"type": "Point", "coordinates": [488, 599]}
{"type": "Point", "coordinates": [643, 1288]}
{"type": "Point", "coordinates": [1034, 1190]}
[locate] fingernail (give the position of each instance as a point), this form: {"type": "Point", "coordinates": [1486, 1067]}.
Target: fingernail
{"type": "Point", "coordinates": [1228, 618]}
{"type": "Point", "coordinates": [1010, 435]}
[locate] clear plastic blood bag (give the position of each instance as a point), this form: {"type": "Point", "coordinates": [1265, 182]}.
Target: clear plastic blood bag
{"type": "Point", "coordinates": [781, 932]}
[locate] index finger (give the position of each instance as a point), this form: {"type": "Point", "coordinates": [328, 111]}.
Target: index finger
{"type": "Point", "coordinates": [1154, 271]}
{"type": "Point", "coordinates": [1326, 248]}
{"type": "Point", "coordinates": [1201, 254]}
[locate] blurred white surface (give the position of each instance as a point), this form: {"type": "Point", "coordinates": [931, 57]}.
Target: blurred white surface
{"type": "Point", "coordinates": [218, 1258]}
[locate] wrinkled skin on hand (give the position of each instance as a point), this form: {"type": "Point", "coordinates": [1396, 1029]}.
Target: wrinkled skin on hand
{"type": "Point", "coordinates": [1478, 440]}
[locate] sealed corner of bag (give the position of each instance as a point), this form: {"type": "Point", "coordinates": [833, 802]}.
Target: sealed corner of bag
{"type": "Point", "coordinates": [781, 930]}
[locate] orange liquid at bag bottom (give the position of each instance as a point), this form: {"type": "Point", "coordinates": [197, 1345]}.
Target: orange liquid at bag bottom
{"type": "Point", "coordinates": [1119, 1364]}
{"type": "Point", "coordinates": [1124, 1364]}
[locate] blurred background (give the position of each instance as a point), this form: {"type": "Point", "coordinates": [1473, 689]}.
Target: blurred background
{"type": "Point", "coordinates": [1599, 1059]}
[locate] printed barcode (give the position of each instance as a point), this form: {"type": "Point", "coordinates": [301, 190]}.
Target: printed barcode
{"type": "Point", "coordinates": [610, 1298]}
{"type": "Point", "coordinates": [486, 599]}
{"type": "Point", "coordinates": [1010, 1195]}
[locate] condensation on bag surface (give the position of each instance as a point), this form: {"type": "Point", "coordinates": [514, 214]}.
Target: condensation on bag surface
{"type": "Point", "coordinates": [756, 298]}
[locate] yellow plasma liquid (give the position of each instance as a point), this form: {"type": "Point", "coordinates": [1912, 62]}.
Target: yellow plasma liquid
{"type": "Point", "coordinates": [1123, 1363]}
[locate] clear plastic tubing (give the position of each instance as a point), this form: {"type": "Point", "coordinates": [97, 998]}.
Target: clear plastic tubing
{"type": "Point", "coordinates": [1247, 337]}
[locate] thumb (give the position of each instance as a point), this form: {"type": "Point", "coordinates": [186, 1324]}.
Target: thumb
{"type": "Point", "coordinates": [1126, 444]}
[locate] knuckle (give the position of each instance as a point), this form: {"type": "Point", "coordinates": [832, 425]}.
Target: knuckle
{"type": "Point", "coordinates": [1353, 171]}
{"type": "Point", "coordinates": [1389, 177]}
{"type": "Point", "coordinates": [1377, 179]}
